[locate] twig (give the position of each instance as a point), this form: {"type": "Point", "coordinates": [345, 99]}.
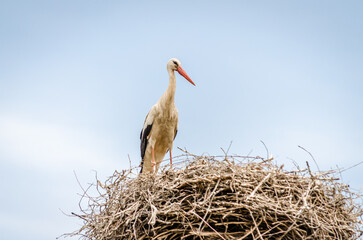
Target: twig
{"type": "Point", "coordinates": [230, 144]}
{"type": "Point", "coordinates": [267, 152]}
{"type": "Point", "coordinates": [311, 155]}
{"type": "Point", "coordinates": [208, 225]}
{"type": "Point", "coordinates": [351, 167]}
{"type": "Point", "coordinates": [259, 185]}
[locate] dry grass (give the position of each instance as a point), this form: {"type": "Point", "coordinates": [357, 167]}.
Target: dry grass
{"type": "Point", "coordinates": [222, 198]}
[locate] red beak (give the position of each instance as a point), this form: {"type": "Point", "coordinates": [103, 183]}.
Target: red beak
{"type": "Point", "coordinates": [184, 74]}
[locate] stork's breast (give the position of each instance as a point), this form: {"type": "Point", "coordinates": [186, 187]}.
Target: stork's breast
{"type": "Point", "coordinates": [163, 131]}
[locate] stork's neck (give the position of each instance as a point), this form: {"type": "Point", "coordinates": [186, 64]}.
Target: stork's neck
{"type": "Point", "coordinates": [167, 100]}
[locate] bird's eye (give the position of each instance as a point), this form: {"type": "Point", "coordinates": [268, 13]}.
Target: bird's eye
{"type": "Point", "coordinates": [175, 63]}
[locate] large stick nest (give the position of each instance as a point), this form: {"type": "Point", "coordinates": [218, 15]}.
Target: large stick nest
{"type": "Point", "coordinates": [228, 198]}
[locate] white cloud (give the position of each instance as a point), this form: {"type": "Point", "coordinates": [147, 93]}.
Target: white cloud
{"type": "Point", "coordinates": [43, 145]}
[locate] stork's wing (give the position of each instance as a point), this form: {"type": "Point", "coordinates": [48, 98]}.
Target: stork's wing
{"type": "Point", "coordinates": [176, 131]}
{"type": "Point", "coordinates": [176, 127]}
{"type": "Point", "coordinates": [143, 137]}
{"type": "Point", "coordinates": [148, 123]}
{"type": "Point", "coordinates": [177, 121]}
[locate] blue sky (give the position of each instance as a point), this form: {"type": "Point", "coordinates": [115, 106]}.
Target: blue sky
{"type": "Point", "coordinates": [77, 79]}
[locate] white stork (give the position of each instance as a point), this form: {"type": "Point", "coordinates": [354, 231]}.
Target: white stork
{"type": "Point", "coordinates": [161, 124]}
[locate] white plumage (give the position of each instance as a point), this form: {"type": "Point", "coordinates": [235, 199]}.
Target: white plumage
{"type": "Point", "coordinates": [161, 124]}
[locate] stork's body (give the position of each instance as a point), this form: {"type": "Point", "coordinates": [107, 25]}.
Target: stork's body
{"type": "Point", "coordinates": [161, 124]}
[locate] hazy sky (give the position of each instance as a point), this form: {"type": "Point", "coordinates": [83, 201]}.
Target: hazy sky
{"type": "Point", "coordinates": [77, 79]}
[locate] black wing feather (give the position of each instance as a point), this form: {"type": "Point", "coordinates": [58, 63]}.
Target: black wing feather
{"type": "Point", "coordinates": [176, 131]}
{"type": "Point", "coordinates": [143, 137]}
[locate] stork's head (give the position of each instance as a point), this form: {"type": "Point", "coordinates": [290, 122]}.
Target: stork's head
{"type": "Point", "coordinates": [174, 65]}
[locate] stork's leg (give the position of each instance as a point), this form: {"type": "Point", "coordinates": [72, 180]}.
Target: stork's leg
{"type": "Point", "coordinates": [153, 162]}
{"type": "Point", "coordinates": [171, 161]}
